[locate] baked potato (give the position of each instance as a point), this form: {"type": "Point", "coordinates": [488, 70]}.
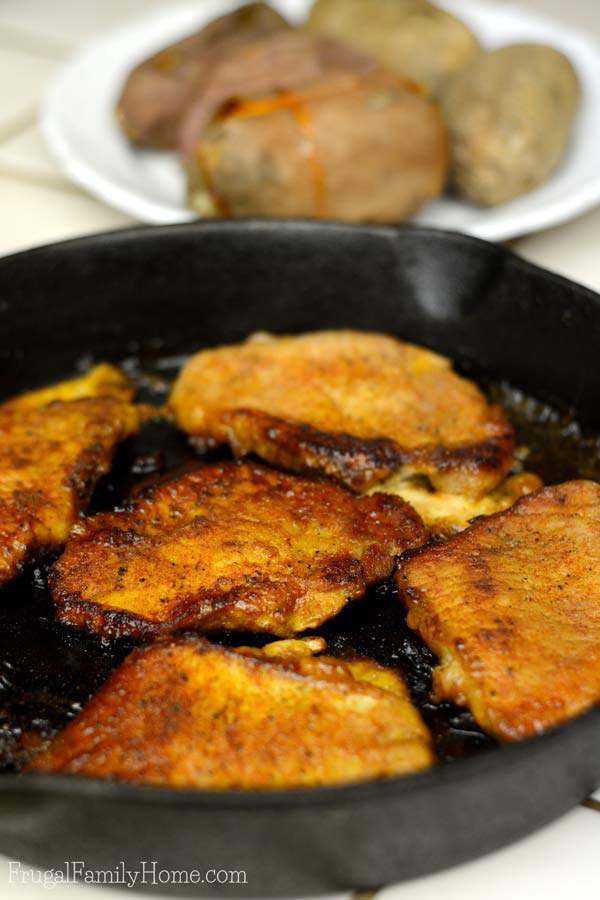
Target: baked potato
{"type": "Point", "coordinates": [510, 114]}
{"type": "Point", "coordinates": [351, 147]}
{"type": "Point", "coordinates": [159, 90]}
{"type": "Point", "coordinates": [287, 60]}
{"type": "Point", "coordinates": [411, 37]}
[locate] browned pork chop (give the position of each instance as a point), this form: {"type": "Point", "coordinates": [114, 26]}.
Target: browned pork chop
{"type": "Point", "coordinates": [55, 444]}
{"type": "Point", "coordinates": [185, 713]}
{"type": "Point", "coordinates": [512, 608]}
{"type": "Point", "coordinates": [359, 407]}
{"type": "Point", "coordinates": [230, 546]}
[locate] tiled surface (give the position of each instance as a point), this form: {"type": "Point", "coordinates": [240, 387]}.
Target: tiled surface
{"type": "Point", "coordinates": [65, 23]}
{"type": "Point", "coordinates": [58, 214]}
{"type": "Point", "coordinates": [571, 250]}
{"type": "Point", "coordinates": [22, 78]}
{"type": "Point", "coordinates": [24, 156]}
{"type": "Point", "coordinates": [37, 205]}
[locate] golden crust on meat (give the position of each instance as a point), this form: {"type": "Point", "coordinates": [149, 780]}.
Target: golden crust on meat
{"type": "Point", "coordinates": [188, 714]}
{"type": "Point", "coordinates": [53, 449]}
{"type": "Point", "coordinates": [446, 514]}
{"type": "Point", "coordinates": [512, 608]}
{"type": "Point", "coordinates": [230, 546]}
{"type": "Point", "coordinates": [359, 407]}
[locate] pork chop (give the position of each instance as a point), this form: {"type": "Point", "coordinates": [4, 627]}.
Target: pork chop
{"type": "Point", "coordinates": [512, 608]}
{"type": "Point", "coordinates": [359, 407]}
{"type": "Point", "coordinates": [232, 546]}
{"type": "Point", "coordinates": [188, 714]}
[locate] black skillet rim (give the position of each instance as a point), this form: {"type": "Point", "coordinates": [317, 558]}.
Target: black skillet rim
{"type": "Point", "coordinates": [444, 773]}
{"type": "Point", "coordinates": [330, 226]}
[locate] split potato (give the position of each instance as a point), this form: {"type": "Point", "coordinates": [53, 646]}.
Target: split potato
{"type": "Point", "coordinates": [284, 61]}
{"type": "Point", "coordinates": [351, 147]}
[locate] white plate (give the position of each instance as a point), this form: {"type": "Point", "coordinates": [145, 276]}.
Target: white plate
{"type": "Point", "coordinates": [79, 125]}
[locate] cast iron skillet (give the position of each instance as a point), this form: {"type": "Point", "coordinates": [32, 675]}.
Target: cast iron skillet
{"type": "Point", "coordinates": [173, 290]}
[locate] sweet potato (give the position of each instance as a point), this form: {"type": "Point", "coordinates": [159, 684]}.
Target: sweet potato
{"type": "Point", "coordinates": [159, 90]}
{"type": "Point", "coordinates": [353, 147]}
{"type": "Point", "coordinates": [287, 60]}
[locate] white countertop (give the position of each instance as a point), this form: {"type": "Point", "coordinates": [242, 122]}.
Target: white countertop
{"type": "Point", "coordinates": [38, 205]}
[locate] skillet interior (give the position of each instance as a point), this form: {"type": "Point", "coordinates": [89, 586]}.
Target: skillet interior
{"type": "Point", "coordinates": [151, 295]}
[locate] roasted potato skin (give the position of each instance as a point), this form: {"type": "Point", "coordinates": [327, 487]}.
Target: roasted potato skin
{"type": "Point", "coordinates": [158, 92]}
{"type": "Point", "coordinates": [284, 61]}
{"type": "Point", "coordinates": [354, 148]}
{"type": "Point", "coordinates": [411, 37]}
{"type": "Point", "coordinates": [510, 114]}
